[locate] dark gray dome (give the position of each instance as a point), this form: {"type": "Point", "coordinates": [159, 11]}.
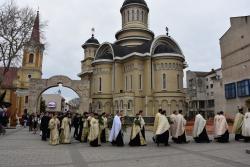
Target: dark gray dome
{"type": "Point", "coordinates": [163, 48]}
{"type": "Point", "coordinates": [127, 2]}
{"type": "Point", "coordinates": [92, 40]}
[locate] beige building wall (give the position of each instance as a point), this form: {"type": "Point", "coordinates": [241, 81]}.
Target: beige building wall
{"type": "Point", "coordinates": [235, 55]}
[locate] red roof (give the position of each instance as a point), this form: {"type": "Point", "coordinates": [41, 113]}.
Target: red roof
{"type": "Point", "coordinates": [9, 77]}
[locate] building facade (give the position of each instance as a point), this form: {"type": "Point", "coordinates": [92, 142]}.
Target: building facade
{"type": "Point", "coordinates": [204, 92]}
{"type": "Point", "coordinates": [235, 56]}
{"type": "Point", "coordinates": [54, 102]}
{"type": "Point", "coordinates": [138, 71]}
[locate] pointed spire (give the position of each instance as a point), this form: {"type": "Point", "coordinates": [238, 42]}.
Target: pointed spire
{"type": "Point", "coordinates": [35, 36]}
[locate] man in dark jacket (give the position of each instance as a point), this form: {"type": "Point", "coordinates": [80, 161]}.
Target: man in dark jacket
{"type": "Point", "coordinates": [45, 126]}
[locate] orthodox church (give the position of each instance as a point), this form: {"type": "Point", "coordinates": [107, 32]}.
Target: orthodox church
{"type": "Point", "coordinates": [138, 71]}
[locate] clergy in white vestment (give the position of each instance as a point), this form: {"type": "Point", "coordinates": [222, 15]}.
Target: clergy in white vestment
{"type": "Point", "coordinates": [216, 124]}
{"type": "Point", "coordinates": [65, 136]}
{"type": "Point", "coordinates": [94, 132]}
{"type": "Point", "coordinates": [246, 126]}
{"type": "Point", "coordinates": [223, 133]}
{"type": "Point", "coordinates": [136, 138]}
{"type": "Point", "coordinates": [53, 126]}
{"type": "Point", "coordinates": [156, 121]}
{"type": "Point", "coordinates": [199, 130]}
{"type": "Point", "coordinates": [116, 135]}
{"type": "Point", "coordinates": [180, 134]}
{"type": "Point", "coordinates": [142, 124]}
{"type": "Point", "coordinates": [162, 131]}
{"type": "Point", "coordinates": [173, 125]}
{"type": "Point", "coordinates": [237, 127]}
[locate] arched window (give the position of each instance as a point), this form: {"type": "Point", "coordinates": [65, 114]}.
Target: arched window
{"type": "Point", "coordinates": [142, 16]}
{"type": "Point", "coordinates": [140, 82]}
{"type": "Point", "coordinates": [178, 81]}
{"type": "Point", "coordinates": [131, 82]}
{"type": "Point", "coordinates": [100, 84]}
{"type": "Point", "coordinates": [138, 15]}
{"type": "Point", "coordinates": [121, 104]}
{"type": "Point", "coordinates": [31, 58]}
{"type": "Point", "coordinates": [130, 105]}
{"type": "Point", "coordinates": [99, 106]}
{"type": "Point", "coordinates": [133, 15]}
{"type": "Point", "coordinates": [126, 83]}
{"type": "Point", "coordinates": [128, 16]}
{"type": "Point", "coordinates": [164, 81]}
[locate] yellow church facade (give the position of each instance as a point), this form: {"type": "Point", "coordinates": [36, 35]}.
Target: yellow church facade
{"type": "Point", "coordinates": [138, 71]}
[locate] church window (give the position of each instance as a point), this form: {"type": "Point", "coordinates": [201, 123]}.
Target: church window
{"type": "Point", "coordinates": [133, 15]}
{"type": "Point", "coordinates": [137, 15]}
{"type": "Point", "coordinates": [128, 15]}
{"type": "Point", "coordinates": [31, 58]}
{"type": "Point", "coordinates": [164, 82]}
{"type": "Point", "coordinates": [131, 82]}
{"type": "Point", "coordinates": [126, 83]}
{"type": "Point", "coordinates": [142, 16]}
{"type": "Point", "coordinates": [140, 82]}
{"type": "Point", "coordinates": [178, 81]}
{"type": "Point", "coordinates": [26, 99]}
{"type": "Point", "coordinates": [121, 104]}
{"type": "Point", "coordinates": [100, 84]}
{"type": "Point", "coordinates": [129, 105]}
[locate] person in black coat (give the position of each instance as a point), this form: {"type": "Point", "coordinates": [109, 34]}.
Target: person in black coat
{"type": "Point", "coordinates": [76, 124]}
{"type": "Point", "coordinates": [45, 126]}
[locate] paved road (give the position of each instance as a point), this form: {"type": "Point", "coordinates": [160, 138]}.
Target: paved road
{"type": "Point", "coordinates": [19, 148]}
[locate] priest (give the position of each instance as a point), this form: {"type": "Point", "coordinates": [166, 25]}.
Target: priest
{"type": "Point", "coordinates": [65, 135]}
{"type": "Point", "coordinates": [156, 121]}
{"type": "Point", "coordinates": [53, 126]}
{"type": "Point", "coordinates": [180, 130]}
{"type": "Point", "coordinates": [216, 125]}
{"type": "Point", "coordinates": [246, 126]}
{"type": "Point", "coordinates": [94, 132]}
{"type": "Point", "coordinates": [237, 127]}
{"type": "Point", "coordinates": [223, 134]}
{"type": "Point", "coordinates": [86, 124]}
{"type": "Point", "coordinates": [45, 126]}
{"type": "Point", "coordinates": [173, 125]}
{"type": "Point", "coordinates": [103, 122]}
{"type": "Point", "coordinates": [116, 135]}
{"type": "Point", "coordinates": [162, 130]}
{"type": "Point", "coordinates": [199, 131]}
{"type": "Point", "coordinates": [136, 137]}
{"type": "Point", "coordinates": [142, 123]}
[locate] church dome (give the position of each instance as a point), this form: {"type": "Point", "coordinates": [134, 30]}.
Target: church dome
{"type": "Point", "coordinates": [92, 40]}
{"type": "Point", "coordinates": [127, 2]}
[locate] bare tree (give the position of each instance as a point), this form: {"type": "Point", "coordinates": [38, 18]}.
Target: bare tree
{"type": "Point", "coordinates": [15, 29]}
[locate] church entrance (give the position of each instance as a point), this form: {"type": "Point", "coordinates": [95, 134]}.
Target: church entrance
{"type": "Point", "coordinates": [39, 86]}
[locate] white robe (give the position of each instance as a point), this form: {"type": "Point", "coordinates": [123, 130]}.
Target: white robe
{"type": "Point", "coordinates": [246, 125]}
{"type": "Point", "coordinates": [181, 123]}
{"type": "Point", "coordinates": [199, 125]}
{"type": "Point", "coordinates": [116, 128]}
{"type": "Point", "coordinates": [163, 125]}
{"type": "Point", "coordinates": [173, 126]}
{"type": "Point", "coordinates": [142, 121]}
{"type": "Point", "coordinates": [216, 125]}
{"type": "Point", "coordinates": [222, 125]}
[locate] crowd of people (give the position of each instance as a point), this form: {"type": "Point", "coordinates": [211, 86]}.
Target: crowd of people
{"type": "Point", "coordinates": [101, 128]}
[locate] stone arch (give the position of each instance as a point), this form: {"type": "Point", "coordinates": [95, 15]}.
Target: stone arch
{"type": "Point", "coordinates": [38, 86]}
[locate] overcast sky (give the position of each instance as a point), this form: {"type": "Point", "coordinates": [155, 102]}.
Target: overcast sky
{"type": "Point", "coordinates": [196, 25]}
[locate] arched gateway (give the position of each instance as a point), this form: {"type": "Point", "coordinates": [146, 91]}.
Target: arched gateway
{"type": "Point", "coordinates": [38, 86]}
